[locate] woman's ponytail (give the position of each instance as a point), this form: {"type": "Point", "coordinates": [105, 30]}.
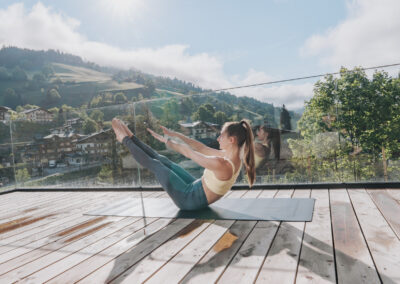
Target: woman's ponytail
{"type": "Point", "coordinates": [249, 150]}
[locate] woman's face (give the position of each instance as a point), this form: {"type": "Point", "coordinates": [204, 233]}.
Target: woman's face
{"type": "Point", "coordinates": [223, 139]}
{"type": "Point", "coordinates": [261, 134]}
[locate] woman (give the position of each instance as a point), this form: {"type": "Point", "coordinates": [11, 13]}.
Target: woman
{"type": "Point", "coordinates": [262, 147]}
{"type": "Point", "coordinates": [221, 166]}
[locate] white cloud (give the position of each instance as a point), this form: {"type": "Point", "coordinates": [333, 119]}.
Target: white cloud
{"type": "Point", "coordinates": [292, 95]}
{"type": "Point", "coordinates": [43, 28]}
{"type": "Point", "coordinates": [369, 36]}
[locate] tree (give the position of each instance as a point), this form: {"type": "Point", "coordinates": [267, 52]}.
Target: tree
{"type": "Point", "coordinates": [364, 112]}
{"type": "Point", "coordinates": [11, 99]}
{"type": "Point", "coordinates": [97, 115]}
{"type": "Point", "coordinates": [150, 87]}
{"type": "Point", "coordinates": [18, 74]}
{"type": "Point", "coordinates": [22, 175]}
{"type": "Point", "coordinates": [89, 126]}
{"type": "Point", "coordinates": [220, 117]}
{"type": "Point", "coordinates": [47, 71]}
{"type": "Point", "coordinates": [4, 74]}
{"type": "Point", "coordinates": [39, 78]}
{"type": "Point", "coordinates": [187, 106]}
{"type": "Point", "coordinates": [204, 113]}
{"type": "Point", "coordinates": [171, 114]}
{"type": "Point", "coordinates": [120, 98]}
{"type": "Point", "coordinates": [52, 97]}
{"type": "Point", "coordinates": [285, 119]}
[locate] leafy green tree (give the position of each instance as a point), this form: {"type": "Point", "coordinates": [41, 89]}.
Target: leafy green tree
{"type": "Point", "coordinates": [39, 78]}
{"type": "Point", "coordinates": [4, 74]}
{"type": "Point", "coordinates": [89, 126]}
{"type": "Point", "coordinates": [150, 87]}
{"type": "Point", "coordinates": [106, 174]}
{"type": "Point", "coordinates": [11, 99]}
{"type": "Point", "coordinates": [205, 113]}
{"type": "Point", "coordinates": [285, 119]}
{"type": "Point", "coordinates": [364, 112]}
{"type": "Point", "coordinates": [97, 115]}
{"type": "Point", "coordinates": [22, 175]}
{"type": "Point", "coordinates": [220, 117]}
{"type": "Point", "coordinates": [120, 98]}
{"type": "Point", "coordinates": [52, 97]}
{"type": "Point", "coordinates": [18, 74]}
{"type": "Point", "coordinates": [47, 71]}
{"type": "Point", "coordinates": [187, 106]}
{"type": "Point", "coordinates": [171, 114]}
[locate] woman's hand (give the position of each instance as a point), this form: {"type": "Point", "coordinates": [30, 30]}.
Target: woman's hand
{"type": "Point", "coordinates": [157, 136]}
{"type": "Point", "coordinates": [167, 131]}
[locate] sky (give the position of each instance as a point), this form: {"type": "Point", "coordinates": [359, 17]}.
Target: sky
{"type": "Point", "coordinates": [215, 44]}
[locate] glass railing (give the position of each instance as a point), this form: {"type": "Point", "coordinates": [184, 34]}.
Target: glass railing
{"type": "Point", "coordinates": [76, 147]}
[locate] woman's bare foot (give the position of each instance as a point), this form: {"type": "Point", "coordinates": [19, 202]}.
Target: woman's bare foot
{"type": "Point", "coordinates": [119, 130]}
{"type": "Point", "coordinates": [127, 130]}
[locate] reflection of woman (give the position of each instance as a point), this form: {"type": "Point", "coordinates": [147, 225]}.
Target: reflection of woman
{"type": "Point", "coordinates": [262, 147]}
{"type": "Point", "coordinates": [221, 166]}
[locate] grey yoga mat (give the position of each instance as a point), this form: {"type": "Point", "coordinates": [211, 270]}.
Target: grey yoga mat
{"type": "Point", "coordinates": [266, 209]}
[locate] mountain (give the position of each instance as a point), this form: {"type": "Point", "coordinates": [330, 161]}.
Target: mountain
{"type": "Point", "coordinates": [33, 74]}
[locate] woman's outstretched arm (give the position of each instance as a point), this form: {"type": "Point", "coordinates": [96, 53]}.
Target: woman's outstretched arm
{"type": "Point", "coordinates": [217, 164]}
{"type": "Point", "coordinates": [194, 144]}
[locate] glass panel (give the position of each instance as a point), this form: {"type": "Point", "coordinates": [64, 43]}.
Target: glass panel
{"type": "Point", "coordinates": [348, 132]}
{"type": "Point", "coordinates": [7, 177]}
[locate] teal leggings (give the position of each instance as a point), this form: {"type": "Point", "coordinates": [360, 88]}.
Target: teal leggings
{"type": "Point", "coordinates": [186, 191]}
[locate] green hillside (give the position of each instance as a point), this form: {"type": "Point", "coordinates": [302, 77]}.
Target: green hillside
{"type": "Point", "coordinates": [52, 79]}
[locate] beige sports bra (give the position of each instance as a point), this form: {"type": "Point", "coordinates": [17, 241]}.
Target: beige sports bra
{"type": "Point", "coordinates": [218, 186]}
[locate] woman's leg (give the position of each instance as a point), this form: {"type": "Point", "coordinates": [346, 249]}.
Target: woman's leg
{"type": "Point", "coordinates": [174, 185]}
{"type": "Point", "coordinates": [181, 172]}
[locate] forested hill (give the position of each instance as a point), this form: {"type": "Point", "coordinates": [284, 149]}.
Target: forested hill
{"type": "Point", "coordinates": [52, 78]}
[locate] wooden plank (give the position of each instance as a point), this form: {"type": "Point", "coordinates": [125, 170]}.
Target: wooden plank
{"type": "Point", "coordinates": [74, 217]}
{"type": "Point", "coordinates": [73, 254]}
{"type": "Point", "coordinates": [389, 208]}
{"type": "Point", "coordinates": [353, 259]}
{"type": "Point", "coordinates": [179, 265]}
{"type": "Point", "coordinates": [110, 225]}
{"type": "Point", "coordinates": [16, 254]}
{"type": "Point", "coordinates": [245, 264]}
{"type": "Point", "coordinates": [129, 250]}
{"type": "Point", "coordinates": [382, 242]}
{"type": "Point", "coordinates": [31, 262]}
{"type": "Point", "coordinates": [29, 204]}
{"type": "Point", "coordinates": [102, 252]}
{"type": "Point", "coordinates": [171, 259]}
{"type": "Point", "coordinates": [281, 262]}
{"type": "Point", "coordinates": [42, 217]}
{"type": "Point", "coordinates": [18, 198]}
{"type": "Point", "coordinates": [268, 193]}
{"type": "Point", "coordinates": [395, 193]}
{"type": "Point", "coordinates": [316, 264]}
{"type": "Point", "coordinates": [49, 215]}
{"type": "Point", "coordinates": [210, 267]}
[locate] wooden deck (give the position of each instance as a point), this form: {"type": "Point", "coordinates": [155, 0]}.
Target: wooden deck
{"type": "Point", "coordinates": [354, 238]}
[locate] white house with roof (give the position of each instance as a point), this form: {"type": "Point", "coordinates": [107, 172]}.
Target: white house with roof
{"type": "Point", "coordinates": [39, 115]}
{"type": "Point", "coordinates": [201, 129]}
{"type": "Point", "coordinates": [5, 114]}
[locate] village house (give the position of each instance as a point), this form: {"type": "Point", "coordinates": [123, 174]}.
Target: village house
{"type": "Point", "coordinates": [39, 115]}
{"type": "Point", "coordinates": [96, 147]}
{"type": "Point", "coordinates": [200, 130]}
{"type": "Point", "coordinates": [53, 147]}
{"type": "Point", "coordinates": [5, 114]}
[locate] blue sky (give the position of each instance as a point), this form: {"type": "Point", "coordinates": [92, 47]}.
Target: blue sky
{"type": "Point", "coordinates": [214, 44]}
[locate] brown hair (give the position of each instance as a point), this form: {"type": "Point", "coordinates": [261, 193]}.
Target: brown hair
{"type": "Point", "coordinates": [274, 138]}
{"type": "Point", "coordinates": [244, 134]}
